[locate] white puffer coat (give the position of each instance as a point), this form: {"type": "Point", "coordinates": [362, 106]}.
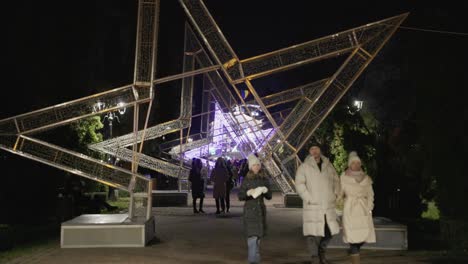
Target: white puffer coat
{"type": "Point", "coordinates": [318, 190]}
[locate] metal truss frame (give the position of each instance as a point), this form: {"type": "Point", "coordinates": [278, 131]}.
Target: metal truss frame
{"type": "Point", "coordinates": [15, 132]}
{"type": "Point", "coordinates": [361, 44]}
{"type": "Point", "coordinates": [206, 52]}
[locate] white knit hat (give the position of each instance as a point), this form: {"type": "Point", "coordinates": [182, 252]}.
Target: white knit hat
{"type": "Point", "coordinates": [353, 156]}
{"type": "Point", "coordinates": [252, 159]}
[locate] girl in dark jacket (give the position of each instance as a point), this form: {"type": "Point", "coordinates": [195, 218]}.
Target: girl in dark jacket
{"type": "Point", "coordinates": [254, 188]}
{"type": "Point", "coordinates": [198, 184]}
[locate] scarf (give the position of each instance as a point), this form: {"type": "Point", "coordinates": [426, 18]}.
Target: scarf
{"type": "Point", "coordinates": [357, 175]}
{"type": "Point", "coordinates": [252, 175]}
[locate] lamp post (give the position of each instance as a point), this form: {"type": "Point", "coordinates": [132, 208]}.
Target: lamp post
{"type": "Point", "coordinates": [110, 117]}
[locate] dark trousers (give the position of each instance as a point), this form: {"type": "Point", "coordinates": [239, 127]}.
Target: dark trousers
{"type": "Point", "coordinates": [220, 201]}
{"type": "Point", "coordinates": [195, 204]}
{"type": "Point", "coordinates": [228, 199]}
{"type": "Point", "coordinates": [355, 248]}
{"type": "Point", "coordinates": [317, 244]}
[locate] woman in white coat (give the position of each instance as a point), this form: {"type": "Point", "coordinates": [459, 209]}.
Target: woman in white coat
{"type": "Point", "coordinates": [358, 195]}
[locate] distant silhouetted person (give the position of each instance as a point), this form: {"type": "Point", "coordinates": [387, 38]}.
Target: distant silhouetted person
{"type": "Point", "coordinates": [220, 176]}
{"type": "Point", "coordinates": [229, 185]}
{"type": "Point", "coordinates": [198, 185]}
{"type": "Point", "coordinates": [235, 172]}
{"type": "Point", "coordinates": [243, 170]}
{"type": "Point", "coordinates": [204, 174]}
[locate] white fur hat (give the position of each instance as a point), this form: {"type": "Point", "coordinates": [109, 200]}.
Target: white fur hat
{"type": "Point", "coordinates": [252, 159]}
{"type": "Point", "coordinates": [353, 156]}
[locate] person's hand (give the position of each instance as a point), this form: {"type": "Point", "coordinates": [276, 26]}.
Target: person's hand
{"type": "Point", "coordinates": [260, 190]}
{"type": "Point", "coordinates": [257, 192]}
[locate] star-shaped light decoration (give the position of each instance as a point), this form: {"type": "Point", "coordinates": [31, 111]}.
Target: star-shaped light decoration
{"type": "Point", "coordinates": [227, 76]}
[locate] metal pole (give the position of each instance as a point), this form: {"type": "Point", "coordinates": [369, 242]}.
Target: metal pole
{"type": "Point", "coordinates": [110, 128]}
{"type": "Point", "coordinates": [181, 159]}
{"type": "Point", "coordinates": [149, 203]}
{"type": "Point", "coordinates": [112, 160]}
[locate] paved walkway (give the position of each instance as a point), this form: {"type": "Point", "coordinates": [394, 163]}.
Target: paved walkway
{"type": "Point", "coordinates": [186, 238]}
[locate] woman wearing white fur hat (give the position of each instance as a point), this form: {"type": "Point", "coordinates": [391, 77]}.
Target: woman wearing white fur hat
{"type": "Point", "coordinates": [253, 190]}
{"type": "Point", "coordinates": [358, 195]}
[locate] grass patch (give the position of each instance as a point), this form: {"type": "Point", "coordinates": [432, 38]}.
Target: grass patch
{"type": "Point", "coordinates": [122, 203]}
{"type": "Point", "coordinates": [26, 249]}
{"type": "Point", "coordinates": [29, 239]}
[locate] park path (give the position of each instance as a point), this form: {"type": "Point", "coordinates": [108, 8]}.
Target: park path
{"type": "Point", "coordinates": [186, 238]}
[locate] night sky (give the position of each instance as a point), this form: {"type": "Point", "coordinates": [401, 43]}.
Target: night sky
{"type": "Point", "coordinates": [55, 51]}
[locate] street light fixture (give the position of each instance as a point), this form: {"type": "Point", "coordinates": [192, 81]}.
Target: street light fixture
{"type": "Point", "coordinates": [110, 116]}
{"type": "Point", "coordinates": [122, 109]}
{"type": "Point", "coordinates": [99, 106]}
{"type": "Point", "coordinates": [357, 106]}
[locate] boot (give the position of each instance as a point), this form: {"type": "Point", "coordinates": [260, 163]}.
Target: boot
{"type": "Point", "coordinates": [223, 206]}
{"type": "Point", "coordinates": [228, 203]}
{"type": "Point", "coordinates": [315, 260]}
{"type": "Point", "coordinates": [217, 206]}
{"type": "Point", "coordinates": [355, 259]}
{"type": "Point", "coordinates": [323, 259]}
{"type": "Point", "coordinates": [201, 206]}
{"type": "Point", "coordinates": [195, 211]}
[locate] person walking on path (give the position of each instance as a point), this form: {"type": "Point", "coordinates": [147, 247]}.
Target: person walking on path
{"type": "Point", "coordinates": [318, 185]}
{"type": "Point", "coordinates": [254, 189]}
{"type": "Point", "coordinates": [358, 196]}
{"type": "Point", "coordinates": [197, 185]}
{"type": "Point", "coordinates": [229, 185]}
{"type": "Point", "coordinates": [220, 176]}
{"type": "Point", "coordinates": [244, 168]}
{"type": "Point", "coordinates": [204, 171]}
{"type": "Point", "coordinates": [235, 172]}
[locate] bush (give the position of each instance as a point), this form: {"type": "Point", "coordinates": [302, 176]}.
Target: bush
{"type": "Point", "coordinates": [6, 237]}
{"type": "Point", "coordinates": [454, 233]}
